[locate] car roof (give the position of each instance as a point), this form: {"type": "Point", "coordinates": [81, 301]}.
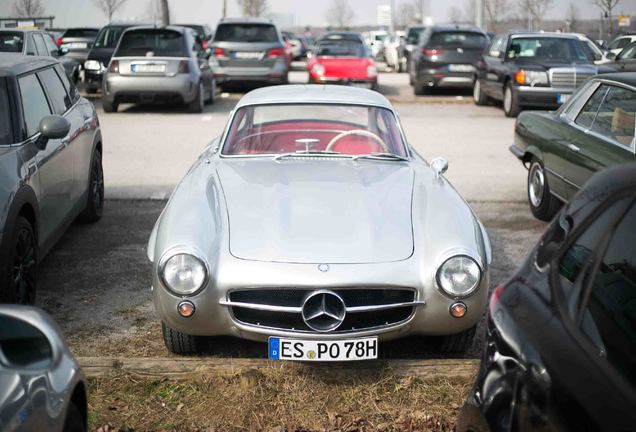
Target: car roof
{"type": "Point", "coordinates": [12, 64]}
{"type": "Point", "coordinates": [314, 93]}
{"type": "Point", "coordinates": [459, 28]}
{"type": "Point", "coordinates": [245, 20]}
{"type": "Point", "coordinates": [542, 34]}
{"type": "Point", "coordinates": [178, 29]}
{"type": "Point", "coordinates": [628, 78]}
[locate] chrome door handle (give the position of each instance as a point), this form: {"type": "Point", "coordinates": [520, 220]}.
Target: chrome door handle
{"type": "Point", "coordinates": [574, 148]}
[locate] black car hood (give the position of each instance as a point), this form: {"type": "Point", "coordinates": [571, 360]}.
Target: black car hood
{"type": "Point", "coordinates": [101, 54]}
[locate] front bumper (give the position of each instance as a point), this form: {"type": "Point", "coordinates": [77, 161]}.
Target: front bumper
{"type": "Point", "coordinates": [543, 97]}
{"type": "Point", "coordinates": [215, 317]}
{"type": "Point", "coordinates": [368, 83]}
{"type": "Point", "coordinates": [181, 88]}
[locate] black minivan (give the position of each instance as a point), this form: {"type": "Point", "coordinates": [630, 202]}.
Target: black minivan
{"type": "Point", "coordinates": [446, 57]}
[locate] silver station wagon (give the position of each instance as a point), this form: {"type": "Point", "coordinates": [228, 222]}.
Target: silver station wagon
{"type": "Point", "coordinates": [312, 224]}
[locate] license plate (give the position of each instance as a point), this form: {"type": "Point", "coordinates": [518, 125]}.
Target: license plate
{"type": "Point", "coordinates": [563, 98]}
{"type": "Point", "coordinates": [154, 68]}
{"type": "Point", "coordinates": [247, 55]}
{"type": "Point", "coordinates": [75, 45]}
{"type": "Point", "coordinates": [461, 68]}
{"type": "Point", "coordinates": [308, 350]}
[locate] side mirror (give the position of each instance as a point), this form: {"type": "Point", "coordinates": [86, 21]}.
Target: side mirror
{"type": "Point", "coordinates": [23, 345]}
{"type": "Point", "coordinates": [611, 55]}
{"type": "Point", "coordinates": [52, 127]}
{"type": "Point", "coordinates": [439, 166]}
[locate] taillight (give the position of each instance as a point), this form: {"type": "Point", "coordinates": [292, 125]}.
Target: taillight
{"type": "Point", "coordinates": [276, 52]}
{"type": "Point", "coordinates": [428, 52]}
{"type": "Point", "coordinates": [113, 67]}
{"type": "Point", "coordinates": [58, 41]}
{"type": "Point", "coordinates": [184, 67]}
{"type": "Point", "coordinates": [219, 52]}
{"type": "Point", "coordinates": [204, 44]}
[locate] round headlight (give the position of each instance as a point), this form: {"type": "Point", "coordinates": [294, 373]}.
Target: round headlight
{"type": "Point", "coordinates": [184, 273]}
{"type": "Point", "coordinates": [92, 65]}
{"type": "Point", "coordinates": [459, 276]}
{"type": "Point", "coordinates": [318, 69]}
{"type": "Point", "coordinates": [372, 71]}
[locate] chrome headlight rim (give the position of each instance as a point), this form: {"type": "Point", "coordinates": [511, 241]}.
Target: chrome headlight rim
{"type": "Point", "coordinates": [459, 254]}
{"type": "Point", "coordinates": [183, 250]}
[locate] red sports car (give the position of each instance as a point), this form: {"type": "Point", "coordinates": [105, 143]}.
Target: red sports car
{"type": "Point", "coordinates": [343, 61]}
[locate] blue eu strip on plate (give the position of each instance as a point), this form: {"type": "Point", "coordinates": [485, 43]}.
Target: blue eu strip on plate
{"type": "Point", "coordinates": [274, 348]}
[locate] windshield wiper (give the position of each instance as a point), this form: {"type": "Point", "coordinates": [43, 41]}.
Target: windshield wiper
{"type": "Point", "coordinates": [381, 156]}
{"type": "Point", "coordinates": [305, 153]}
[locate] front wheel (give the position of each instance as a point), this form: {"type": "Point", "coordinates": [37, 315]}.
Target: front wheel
{"type": "Point", "coordinates": [511, 101]}
{"type": "Point", "coordinates": [19, 271]}
{"type": "Point", "coordinates": [180, 343]}
{"type": "Point", "coordinates": [543, 204]}
{"type": "Point", "coordinates": [478, 94]}
{"type": "Point", "coordinates": [74, 421]}
{"type": "Point", "coordinates": [95, 204]}
{"type": "Point", "coordinates": [109, 107]}
{"type": "Point", "coordinates": [457, 343]}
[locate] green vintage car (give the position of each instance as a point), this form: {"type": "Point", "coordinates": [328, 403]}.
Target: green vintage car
{"type": "Point", "coordinates": [563, 148]}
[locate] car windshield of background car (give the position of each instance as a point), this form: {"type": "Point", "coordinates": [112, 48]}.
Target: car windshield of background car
{"type": "Point", "coordinates": [341, 49]}
{"type": "Point", "coordinates": [558, 50]}
{"type": "Point", "coordinates": [159, 42]}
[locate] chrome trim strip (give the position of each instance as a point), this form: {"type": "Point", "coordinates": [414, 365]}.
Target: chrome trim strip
{"type": "Point", "coordinates": [292, 309]}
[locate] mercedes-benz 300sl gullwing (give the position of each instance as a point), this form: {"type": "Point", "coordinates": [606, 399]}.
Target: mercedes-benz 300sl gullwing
{"type": "Point", "coordinates": [313, 225]}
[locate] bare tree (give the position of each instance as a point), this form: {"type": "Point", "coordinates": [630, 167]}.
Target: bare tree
{"type": "Point", "coordinates": [340, 14]}
{"type": "Point", "coordinates": [28, 8]}
{"type": "Point", "coordinates": [496, 13]}
{"type": "Point", "coordinates": [455, 14]}
{"type": "Point", "coordinates": [535, 11]}
{"type": "Point", "coordinates": [165, 12]}
{"type": "Point", "coordinates": [405, 15]}
{"type": "Point", "coordinates": [109, 7]}
{"type": "Point", "coordinates": [572, 18]}
{"type": "Point", "coordinates": [607, 6]}
{"type": "Point", "coordinates": [253, 8]}
{"type": "Point", "coordinates": [470, 11]}
{"type": "Point", "coordinates": [421, 9]}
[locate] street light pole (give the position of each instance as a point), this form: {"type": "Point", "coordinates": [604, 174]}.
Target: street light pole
{"type": "Point", "coordinates": [224, 14]}
{"type": "Point", "coordinates": [480, 14]}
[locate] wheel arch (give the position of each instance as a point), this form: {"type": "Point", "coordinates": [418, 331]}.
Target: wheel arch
{"type": "Point", "coordinates": [25, 204]}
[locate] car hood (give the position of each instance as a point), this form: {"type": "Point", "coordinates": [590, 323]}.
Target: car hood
{"type": "Point", "coordinates": [101, 55]}
{"type": "Point", "coordinates": [317, 211]}
{"type": "Point", "coordinates": [534, 64]}
{"type": "Point", "coordinates": [345, 67]}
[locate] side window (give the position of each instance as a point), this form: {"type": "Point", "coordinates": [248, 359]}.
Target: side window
{"type": "Point", "coordinates": [54, 87]}
{"type": "Point", "coordinates": [609, 316]}
{"type": "Point", "coordinates": [30, 48]}
{"type": "Point", "coordinates": [40, 45]}
{"type": "Point", "coordinates": [70, 88]}
{"type": "Point", "coordinates": [51, 46]}
{"type": "Point", "coordinates": [496, 47]}
{"type": "Point", "coordinates": [34, 103]}
{"type": "Point", "coordinates": [616, 117]}
{"type": "Point", "coordinates": [588, 113]}
{"type": "Point", "coordinates": [6, 129]}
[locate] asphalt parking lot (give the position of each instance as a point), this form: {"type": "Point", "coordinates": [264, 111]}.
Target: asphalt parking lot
{"type": "Point", "coordinates": [96, 280]}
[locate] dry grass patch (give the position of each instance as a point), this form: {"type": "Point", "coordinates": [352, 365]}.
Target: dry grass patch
{"type": "Point", "coordinates": [278, 400]}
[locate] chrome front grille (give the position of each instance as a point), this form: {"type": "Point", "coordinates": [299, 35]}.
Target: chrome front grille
{"type": "Point", "coordinates": [569, 77]}
{"type": "Point", "coordinates": [281, 309]}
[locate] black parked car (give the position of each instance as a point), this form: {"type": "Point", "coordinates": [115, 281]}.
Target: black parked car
{"type": "Point", "coordinates": [412, 38]}
{"type": "Point", "coordinates": [34, 43]}
{"type": "Point", "coordinates": [77, 42]}
{"type": "Point", "coordinates": [532, 70]}
{"type": "Point", "coordinates": [50, 167]}
{"type": "Point", "coordinates": [100, 54]}
{"type": "Point", "coordinates": [446, 57]}
{"type": "Point", "coordinates": [560, 349]}
{"type": "Point", "coordinates": [203, 32]}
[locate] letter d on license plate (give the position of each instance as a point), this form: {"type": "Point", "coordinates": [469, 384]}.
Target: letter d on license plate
{"type": "Point", "coordinates": [334, 350]}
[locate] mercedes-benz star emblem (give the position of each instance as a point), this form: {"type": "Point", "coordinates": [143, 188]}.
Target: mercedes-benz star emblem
{"type": "Point", "coordinates": [323, 311]}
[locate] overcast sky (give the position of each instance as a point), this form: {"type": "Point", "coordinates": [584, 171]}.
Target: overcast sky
{"type": "Point", "coordinates": [307, 12]}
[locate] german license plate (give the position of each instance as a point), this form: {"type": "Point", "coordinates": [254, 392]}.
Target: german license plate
{"type": "Point", "coordinates": [247, 55]}
{"type": "Point", "coordinates": [75, 45]}
{"type": "Point", "coordinates": [308, 350]}
{"type": "Point", "coordinates": [153, 68]}
{"type": "Point", "coordinates": [563, 98]}
{"type": "Point", "coordinates": [461, 68]}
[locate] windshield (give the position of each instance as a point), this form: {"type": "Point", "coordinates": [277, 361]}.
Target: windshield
{"type": "Point", "coordinates": [160, 42]}
{"type": "Point", "coordinates": [108, 37]}
{"type": "Point", "coordinates": [341, 49]}
{"type": "Point", "coordinates": [457, 39]}
{"type": "Point", "coordinates": [414, 34]}
{"type": "Point", "coordinates": [80, 33]}
{"type": "Point", "coordinates": [286, 128]}
{"type": "Point", "coordinates": [246, 33]}
{"type": "Point", "coordinates": [559, 50]}
{"type": "Point", "coordinates": [11, 42]}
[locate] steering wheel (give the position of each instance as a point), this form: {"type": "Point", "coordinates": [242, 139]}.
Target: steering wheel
{"type": "Point", "coordinates": [361, 132]}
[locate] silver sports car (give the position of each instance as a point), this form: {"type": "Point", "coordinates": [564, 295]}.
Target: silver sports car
{"type": "Point", "coordinates": [312, 224]}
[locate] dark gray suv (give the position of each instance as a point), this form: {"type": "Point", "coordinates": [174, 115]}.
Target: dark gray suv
{"type": "Point", "coordinates": [50, 167]}
{"type": "Point", "coordinates": [248, 51]}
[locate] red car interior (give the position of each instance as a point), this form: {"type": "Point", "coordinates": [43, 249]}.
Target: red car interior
{"type": "Point", "coordinates": [280, 137]}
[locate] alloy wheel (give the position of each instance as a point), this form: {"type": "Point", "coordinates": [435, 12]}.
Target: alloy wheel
{"type": "Point", "coordinates": [97, 183]}
{"type": "Point", "coordinates": [507, 100]}
{"type": "Point", "coordinates": [536, 185]}
{"type": "Point", "coordinates": [476, 91]}
{"type": "Point", "coordinates": [24, 267]}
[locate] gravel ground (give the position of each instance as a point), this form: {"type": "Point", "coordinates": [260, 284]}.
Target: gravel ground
{"type": "Point", "coordinates": [96, 282]}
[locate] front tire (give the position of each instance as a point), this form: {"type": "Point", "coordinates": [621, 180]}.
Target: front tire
{"type": "Point", "coordinates": [478, 94]}
{"type": "Point", "coordinates": [457, 343]}
{"type": "Point", "coordinates": [420, 90]}
{"type": "Point", "coordinates": [19, 272]}
{"type": "Point", "coordinates": [95, 204]}
{"type": "Point", "coordinates": [511, 101]}
{"type": "Point", "coordinates": [109, 107]}
{"type": "Point", "coordinates": [74, 421]}
{"type": "Point", "coordinates": [180, 343]}
{"type": "Point", "coordinates": [543, 204]}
